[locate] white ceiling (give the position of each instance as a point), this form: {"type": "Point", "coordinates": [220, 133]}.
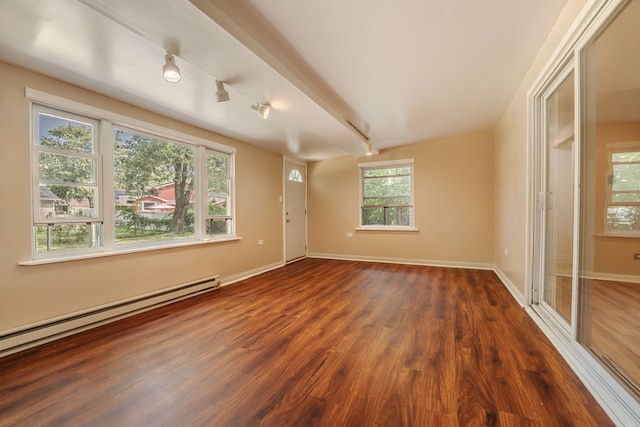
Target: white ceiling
{"type": "Point", "coordinates": [402, 72]}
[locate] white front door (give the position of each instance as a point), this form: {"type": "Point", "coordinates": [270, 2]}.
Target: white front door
{"type": "Point", "coordinates": [295, 211]}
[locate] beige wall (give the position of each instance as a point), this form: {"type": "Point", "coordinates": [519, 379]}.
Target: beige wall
{"type": "Point", "coordinates": [453, 205]}
{"type": "Point", "coordinates": [34, 293]}
{"type": "Point", "coordinates": [511, 165]}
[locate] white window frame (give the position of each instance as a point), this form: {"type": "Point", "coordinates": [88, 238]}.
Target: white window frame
{"type": "Point", "coordinates": [205, 196]}
{"type": "Point", "coordinates": [615, 148]}
{"type": "Point", "coordinates": [96, 156]}
{"type": "Point", "coordinates": [106, 121]}
{"type": "Point", "coordinates": [381, 165]}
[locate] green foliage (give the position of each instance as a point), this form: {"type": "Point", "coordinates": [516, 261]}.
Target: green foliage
{"type": "Point", "coordinates": [64, 236]}
{"type": "Point", "coordinates": [61, 169]}
{"type": "Point", "coordinates": [134, 227]}
{"type": "Point", "coordinates": [384, 189]}
{"type": "Point", "coordinates": [143, 162]}
{"type": "Point", "coordinates": [217, 164]}
{"type": "Point", "coordinates": [76, 137]}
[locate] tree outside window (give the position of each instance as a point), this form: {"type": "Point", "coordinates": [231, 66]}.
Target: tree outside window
{"type": "Point", "coordinates": [387, 194]}
{"type": "Point", "coordinates": [154, 186]}
{"type": "Point", "coordinates": [158, 175]}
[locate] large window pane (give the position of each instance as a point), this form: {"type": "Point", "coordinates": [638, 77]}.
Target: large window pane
{"type": "Point", "coordinates": [158, 178]}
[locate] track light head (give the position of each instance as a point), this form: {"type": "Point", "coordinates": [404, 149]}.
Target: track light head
{"type": "Point", "coordinates": [170, 70]}
{"type": "Point", "coordinates": [369, 149]}
{"type": "Point", "coordinates": [263, 110]}
{"type": "Point", "coordinates": [221, 93]}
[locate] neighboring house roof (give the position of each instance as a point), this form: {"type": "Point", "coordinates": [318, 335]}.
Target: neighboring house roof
{"type": "Point", "coordinates": [150, 198]}
{"type": "Point", "coordinates": [47, 194]}
{"type": "Point", "coordinates": [167, 192]}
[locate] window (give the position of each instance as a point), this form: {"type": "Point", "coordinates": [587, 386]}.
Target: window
{"type": "Point", "coordinates": [158, 176]}
{"type": "Point", "coordinates": [295, 176]}
{"type": "Point", "coordinates": [387, 194]}
{"type": "Point", "coordinates": [219, 218]}
{"type": "Point", "coordinates": [623, 201]}
{"type": "Point", "coordinates": [67, 194]}
{"type": "Point", "coordinates": [104, 187]}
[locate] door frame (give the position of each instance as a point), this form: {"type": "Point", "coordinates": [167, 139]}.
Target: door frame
{"type": "Point", "coordinates": [302, 164]}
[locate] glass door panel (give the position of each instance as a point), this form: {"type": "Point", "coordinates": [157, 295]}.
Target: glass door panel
{"type": "Point", "coordinates": [609, 282]}
{"type": "Point", "coordinates": [558, 201]}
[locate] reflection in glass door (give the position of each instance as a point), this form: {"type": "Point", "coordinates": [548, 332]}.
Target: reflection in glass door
{"type": "Point", "coordinates": [609, 320]}
{"type": "Point", "coordinates": [556, 201]}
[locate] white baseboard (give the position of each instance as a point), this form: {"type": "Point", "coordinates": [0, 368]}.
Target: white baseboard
{"type": "Point", "coordinates": [513, 289]}
{"type": "Point", "coordinates": [410, 261]}
{"type": "Point", "coordinates": [613, 277]}
{"type": "Point", "coordinates": [31, 335]}
{"type": "Point", "coordinates": [228, 280]}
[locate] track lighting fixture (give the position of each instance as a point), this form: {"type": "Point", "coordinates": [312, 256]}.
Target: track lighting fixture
{"type": "Point", "coordinates": [170, 70]}
{"type": "Point", "coordinates": [221, 93]}
{"type": "Point", "coordinates": [262, 109]}
{"type": "Point", "coordinates": [369, 149]}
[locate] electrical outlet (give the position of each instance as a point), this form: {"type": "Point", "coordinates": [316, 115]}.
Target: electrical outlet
{"type": "Point", "coordinates": [636, 256]}
{"type": "Point", "coordinates": [349, 234]}
{"type": "Point", "coordinates": [260, 242]}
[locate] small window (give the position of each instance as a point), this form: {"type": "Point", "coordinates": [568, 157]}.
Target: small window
{"type": "Point", "coordinates": [387, 194]}
{"type": "Point", "coordinates": [295, 176]}
{"type": "Point", "coordinates": [623, 204]}
{"type": "Point", "coordinates": [219, 221]}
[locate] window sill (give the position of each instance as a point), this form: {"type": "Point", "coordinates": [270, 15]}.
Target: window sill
{"type": "Point", "coordinates": [623, 236]}
{"type": "Point", "coordinates": [387, 228]}
{"type": "Point", "coordinates": [123, 251]}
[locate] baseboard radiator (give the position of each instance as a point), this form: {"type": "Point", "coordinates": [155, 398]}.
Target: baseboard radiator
{"type": "Point", "coordinates": [32, 335]}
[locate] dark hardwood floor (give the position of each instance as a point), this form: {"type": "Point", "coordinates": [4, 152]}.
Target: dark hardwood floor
{"type": "Point", "coordinates": [318, 342]}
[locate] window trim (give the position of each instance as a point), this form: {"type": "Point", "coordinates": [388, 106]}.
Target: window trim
{"type": "Point", "coordinates": [106, 121]}
{"type": "Point", "coordinates": [379, 165]}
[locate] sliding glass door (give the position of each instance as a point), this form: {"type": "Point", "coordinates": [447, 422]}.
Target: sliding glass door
{"type": "Point", "coordinates": [585, 282]}
{"type": "Point", "coordinates": [609, 277]}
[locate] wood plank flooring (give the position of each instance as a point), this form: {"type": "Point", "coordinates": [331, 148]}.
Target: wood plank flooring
{"type": "Point", "coordinates": [315, 343]}
{"type": "Point", "coordinates": [612, 309]}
